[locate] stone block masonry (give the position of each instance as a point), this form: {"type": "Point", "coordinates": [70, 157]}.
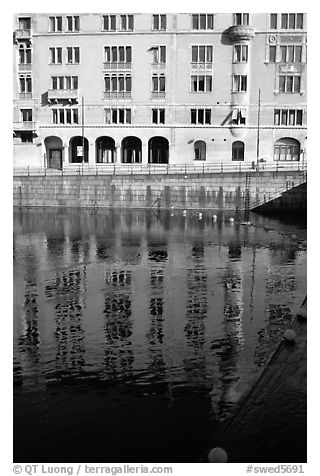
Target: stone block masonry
{"type": "Point", "coordinates": [224, 191]}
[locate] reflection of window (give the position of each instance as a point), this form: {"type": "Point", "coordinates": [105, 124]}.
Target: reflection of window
{"type": "Point", "coordinates": [287, 149]}
{"type": "Point", "coordinates": [199, 150]}
{"type": "Point", "coordinates": [289, 84]}
{"type": "Point", "coordinates": [202, 21]}
{"type": "Point", "coordinates": [159, 22]}
{"type": "Point", "coordinates": [117, 116]}
{"type": "Point", "coordinates": [201, 83]}
{"type": "Point", "coordinates": [241, 19]}
{"type": "Point", "coordinates": [239, 83]}
{"type": "Point", "coordinates": [200, 116]}
{"type": "Point", "coordinates": [201, 54]}
{"type": "Point", "coordinates": [288, 117]}
{"type": "Point", "coordinates": [240, 53]}
{"type": "Point", "coordinates": [159, 54]}
{"type": "Point", "coordinates": [238, 150]}
{"type": "Point", "coordinates": [158, 116]}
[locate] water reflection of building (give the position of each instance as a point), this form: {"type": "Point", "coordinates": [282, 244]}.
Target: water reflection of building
{"type": "Point", "coordinates": [196, 313]}
{"type": "Point", "coordinates": [227, 349]}
{"type": "Point", "coordinates": [117, 311]}
{"type": "Point", "coordinates": [29, 340]}
{"type": "Point", "coordinates": [66, 292]}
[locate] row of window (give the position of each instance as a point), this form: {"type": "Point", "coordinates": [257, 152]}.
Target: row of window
{"type": "Point", "coordinates": [200, 54]}
{"type": "Point", "coordinates": [288, 83]}
{"type": "Point", "coordinates": [283, 117]}
{"type": "Point", "coordinates": [199, 21]}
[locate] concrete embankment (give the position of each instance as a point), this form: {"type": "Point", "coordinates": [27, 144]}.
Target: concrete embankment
{"type": "Point", "coordinates": [196, 191]}
{"type": "Point", "coordinates": [270, 422]}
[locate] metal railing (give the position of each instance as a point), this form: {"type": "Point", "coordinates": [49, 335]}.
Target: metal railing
{"type": "Point", "coordinates": [148, 169]}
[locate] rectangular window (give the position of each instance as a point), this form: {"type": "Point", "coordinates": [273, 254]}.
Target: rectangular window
{"type": "Point", "coordinates": [126, 22]}
{"type": "Point", "coordinates": [201, 83]}
{"type": "Point", "coordinates": [73, 23]}
{"type": "Point", "coordinates": [109, 22]}
{"type": "Point", "coordinates": [25, 84]}
{"type": "Point", "coordinates": [24, 23]}
{"type": "Point", "coordinates": [64, 82]}
{"type": "Point", "coordinates": [65, 116]}
{"type": "Point", "coordinates": [241, 19]}
{"type": "Point", "coordinates": [200, 116]}
{"type": "Point", "coordinates": [238, 116]}
{"type": "Point", "coordinates": [291, 53]}
{"type": "Point", "coordinates": [55, 24]}
{"type": "Point", "coordinates": [24, 54]}
{"type": "Point", "coordinates": [292, 21]}
{"type": "Point", "coordinates": [273, 21]}
{"type": "Point", "coordinates": [159, 54]}
{"type": "Point", "coordinates": [158, 83]}
{"type": "Point", "coordinates": [201, 54]}
{"type": "Point", "coordinates": [116, 83]}
{"type": "Point", "coordinates": [202, 21]}
{"type": "Point", "coordinates": [73, 54]}
{"type": "Point", "coordinates": [272, 54]}
{"type": "Point", "coordinates": [289, 84]}
{"type": "Point", "coordinates": [117, 116]}
{"type": "Point", "coordinates": [26, 136]}
{"type": "Point", "coordinates": [239, 83]}
{"type": "Point", "coordinates": [26, 115]}
{"type": "Point", "coordinates": [240, 53]}
{"type": "Point", "coordinates": [55, 55]}
{"type": "Point", "coordinates": [288, 117]}
{"type": "Point", "coordinates": [158, 116]}
{"type": "Point", "coordinates": [159, 22]}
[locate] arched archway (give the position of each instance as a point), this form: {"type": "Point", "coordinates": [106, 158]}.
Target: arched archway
{"type": "Point", "coordinates": [287, 149]}
{"type": "Point", "coordinates": [131, 150]}
{"type": "Point", "coordinates": [54, 152]}
{"type": "Point", "coordinates": [76, 153]}
{"type": "Point", "coordinates": [105, 150]}
{"type": "Point", "coordinates": [238, 150]}
{"type": "Point", "coordinates": [200, 152]}
{"type": "Point", "coordinates": [158, 150]}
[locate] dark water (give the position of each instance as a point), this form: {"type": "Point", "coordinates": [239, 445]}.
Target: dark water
{"type": "Point", "coordinates": [135, 332]}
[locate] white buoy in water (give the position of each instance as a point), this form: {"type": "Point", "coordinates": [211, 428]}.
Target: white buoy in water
{"type": "Point", "coordinates": [184, 213]}
{"type": "Point", "coordinates": [290, 335]}
{"type": "Point", "coordinates": [231, 220]}
{"type": "Point", "coordinates": [200, 216]}
{"type": "Point", "coordinates": [214, 217]}
{"type": "Point", "coordinates": [217, 455]}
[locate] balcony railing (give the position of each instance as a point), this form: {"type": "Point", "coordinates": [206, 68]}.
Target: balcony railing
{"type": "Point", "coordinates": [201, 65]}
{"type": "Point", "coordinates": [23, 34]}
{"type": "Point", "coordinates": [25, 95]}
{"type": "Point", "coordinates": [158, 94]}
{"type": "Point", "coordinates": [25, 66]}
{"type": "Point", "coordinates": [24, 126]}
{"type": "Point", "coordinates": [63, 94]}
{"type": "Point", "coordinates": [117, 65]}
{"type": "Point", "coordinates": [117, 94]}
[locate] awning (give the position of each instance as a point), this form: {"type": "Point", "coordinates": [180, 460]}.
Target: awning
{"type": "Point", "coordinates": [243, 113]}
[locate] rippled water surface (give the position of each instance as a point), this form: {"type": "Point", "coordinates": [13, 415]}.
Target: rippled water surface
{"type": "Point", "coordinates": [135, 332]}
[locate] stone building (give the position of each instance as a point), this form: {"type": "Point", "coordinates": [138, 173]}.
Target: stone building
{"type": "Point", "coordinates": [159, 88]}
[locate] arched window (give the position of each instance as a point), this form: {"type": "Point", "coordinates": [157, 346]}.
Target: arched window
{"type": "Point", "coordinates": [131, 150]}
{"type": "Point", "coordinates": [78, 150]}
{"type": "Point", "coordinates": [105, 150]}
{"type": "Point", "coordinates": [158, 150]}
{"type": "Point", "coordinates": [199, 150]}
{"type": "Point", "coordinates": [238, 150]}
{"type": "Point", "coordinates": [287, 149]}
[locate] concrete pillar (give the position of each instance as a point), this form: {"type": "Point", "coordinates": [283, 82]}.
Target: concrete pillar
{"type": "Point", "coordinates": [117, 158]}
{"type": "Point", "coordinates": [92, 153]}
{"type": "Point", "coordinates": [144, 151]}
{"type": "Point", "coordinates": [65, 154]}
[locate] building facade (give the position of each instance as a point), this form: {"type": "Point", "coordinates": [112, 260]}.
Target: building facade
{"type": "Point", "coordinates": [151, 88]}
